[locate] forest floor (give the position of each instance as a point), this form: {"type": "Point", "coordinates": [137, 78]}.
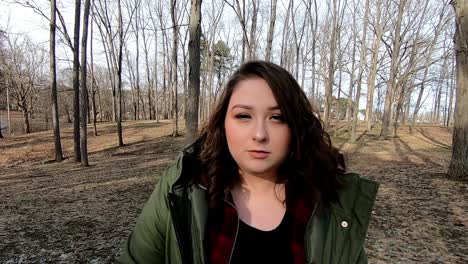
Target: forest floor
{"type": "Point", "coordinates": [62, 213]}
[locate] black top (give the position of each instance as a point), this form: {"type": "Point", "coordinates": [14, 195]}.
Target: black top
{"type": "Point", "coordinates": [257, 246]}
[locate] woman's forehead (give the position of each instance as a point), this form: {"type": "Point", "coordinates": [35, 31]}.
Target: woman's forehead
{"type": "Point", "coordinates": [252, 93]}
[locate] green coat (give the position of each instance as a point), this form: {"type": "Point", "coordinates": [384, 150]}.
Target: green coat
{"type": "Point", "coordinates": [172, 223]}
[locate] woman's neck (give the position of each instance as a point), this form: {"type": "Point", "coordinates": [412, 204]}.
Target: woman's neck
{"type": "Point", "coordinates": [260, 201]}
{"type": "Point", "coordinates": [258, 186]}
{"type": "Point", "coordinates": [257, 183]}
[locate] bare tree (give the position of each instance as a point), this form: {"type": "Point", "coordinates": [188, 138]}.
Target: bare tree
{"type": "Point", "coordinates": [84, 88]}
{"type": "Point", "coordinates": [155, 70]}
{"type": "Point", "coordinates": [92, 82]}
{"type": "Point", "coordinates": [75, 50]}
{"type": "Point", "coordinates": [313, 27]}
{"type": "Point", "coordinates": [452, 88]}
{"type": "Point", "coordinates": [120, 32]}
{"type": "Point", "coordinates": [349, 105]}
{"type": "Point", "coordinates": [146, 46]}
{"type": "Point", "coordinates": [458, 168]}
{"type": "Point", "coordinates": [175, 40]}
{"type": "Point", "coordinates": [393, 70]}
{"type": "Point", "coordinates": [253, 30]}
{"type": "Point", "coordinates": [113, 43]}
{"type": "Point", "coordinates": [135, 24]}
{"type": "Point", "coordinates": [53, 85]}
{"type": "Point", "coordinates": [361, 72]}
{"type": "Point", "coordinates": [23, 71]}
{"type": "Point", "coordinates": [378, 32]}
{"type": "Point", "coordinates": [271, 29]}
{"type": "Point", "coordinates": [76, 83]}
{"type": "Point", "coordinates": [331, 65]}
{"type": "Point", "coordinates": [428, 63]}
{"type": "Point", "coordinates": [247, 41]}
{"type": "Point", "coordinates": [191, 122]}
{"type": "Point", "coordinates": [298, 37]}
{"type": "Point", "coordinates": [165, 96]}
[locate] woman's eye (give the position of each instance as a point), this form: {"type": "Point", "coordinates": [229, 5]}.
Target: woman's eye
{"type": "Point", "coordinates": [277, 118]}
{"type": "Point", "coordinates": [242, 116]}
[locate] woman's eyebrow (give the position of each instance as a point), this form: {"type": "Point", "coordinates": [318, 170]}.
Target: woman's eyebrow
{"type": "Point", "coordinates": [248, 107]}
{"type": "Point", "coordinates": [242, 106]}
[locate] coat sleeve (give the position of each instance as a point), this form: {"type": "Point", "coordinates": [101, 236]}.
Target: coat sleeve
{"type": "Point", "coordinates": [146, 243]}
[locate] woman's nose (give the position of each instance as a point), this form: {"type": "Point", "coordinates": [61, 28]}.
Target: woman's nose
{"type": "Point", "coordinates": [260, 132]}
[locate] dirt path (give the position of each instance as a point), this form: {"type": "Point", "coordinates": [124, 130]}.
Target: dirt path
{"type": "Point", "coordinates": [52, 213]}
{"type": "Point", "coordinates": [419, 216]}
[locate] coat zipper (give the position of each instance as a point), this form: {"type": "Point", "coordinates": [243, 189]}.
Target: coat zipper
{"type": "Point", "coordinates": [237, 231]}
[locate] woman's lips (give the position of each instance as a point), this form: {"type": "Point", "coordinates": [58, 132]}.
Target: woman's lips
{"type": "Point", "coordinates": [258, 154]}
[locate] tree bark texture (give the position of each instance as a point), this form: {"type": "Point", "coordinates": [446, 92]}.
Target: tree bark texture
{"type": "Point", "coordinates": [393, 71]}
{"type": "Point", "coordinates": [458, 168]}
{"type": "Point", "coordinates": [373, 70]}
{"type": "Point", "coordinates": [119, 76]}
{"type": "Point", "coordinates": [175, 41]}
{"type": "Point", "coordinates": [93, 86]}
{"type": "Point", "coordinates": [360, 74]}
{"type": "Point", "coordinates": [271, 29]}
{"type": "Point", "coordinates": [53, 85]}
{"type": "Point", "coordinates": [76, 83]}
{"type": "Point", "coordinates": [194, 71]}
{"type": "Point", "coordinates": [331, 66]}
{"type": "Point", "coordinates": [84, 89]}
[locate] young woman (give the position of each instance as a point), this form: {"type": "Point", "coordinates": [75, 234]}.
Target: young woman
{"type": "Point", "coordinates": [262, 184]}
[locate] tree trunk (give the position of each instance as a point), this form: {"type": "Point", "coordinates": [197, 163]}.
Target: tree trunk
{"type": "Point", "coordinates": [155, 71]}
{"type": "Point", "coordinates": [393, 72]}
{"type": "Point", "coordinates": [360, 74]}
{"type": "Point", "coordinates": [84, 89]}
{"type": "Point", "coordinates": [53, 86]}
{"type": "Point", "coordinates": [137, 68]}
{"type": "Point", "coordinates": [253, 31]}
{"type": "Point", "coordinates": [8, 109]}
{"type": "Point", "coordinates": [452, 88]}
{"type": "Point", "coordinates": [156, 95]}
{"type": "Point", "coordinates": [297, 42]}
{"type": "Point", "coordinates": [271, 29]}
{"type": "Point", "coordinates": [119, 76]}
{"type": "Point", "coordinates": [349, 105]}
{"type": "Point", "coordinates": [26, 123]}
{"type": "Point", "coordinates": [443, 76]}
{"type": "Point", "coordinates": [165, 112]}
{"type": "Point", "coordinates": [313, 27]}
{"type": "Point", "coordinates": [399, 104]}
{"type": "Point", "coordinates": [458, 168]}
{"type": "Point", "coordinates": [109, 52]}
{"type": "Point", "coordinates": [93, 87]}
{"type": "Point", "coordinates": [175, 40]}
{"type": "Point", "coordinates": [284, 37]}
{"type": "Point", "coordinates": [373, 68]}
{"type": "Point", "coordinates": [76, 83]}
{"type": "Point", "coordinates": [331, 66]}
{"type": "Point", "coordinates": [191, 122]}
{"type": "Point", "coordinates": [149, 81]}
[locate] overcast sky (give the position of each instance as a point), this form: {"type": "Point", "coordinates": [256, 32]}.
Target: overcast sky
{"type": "Point", "coordinates": [23, 20]}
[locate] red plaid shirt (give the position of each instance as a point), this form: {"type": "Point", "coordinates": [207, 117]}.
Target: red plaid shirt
{"type": "Point", "coordinates": [223, 227]}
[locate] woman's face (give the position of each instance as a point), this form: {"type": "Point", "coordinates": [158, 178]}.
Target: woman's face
{"type": "Point", "coordinates": [257, 136]}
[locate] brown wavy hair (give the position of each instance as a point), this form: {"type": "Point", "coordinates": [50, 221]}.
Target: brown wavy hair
{"type": "Point", "coordinates": [313, 166]}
